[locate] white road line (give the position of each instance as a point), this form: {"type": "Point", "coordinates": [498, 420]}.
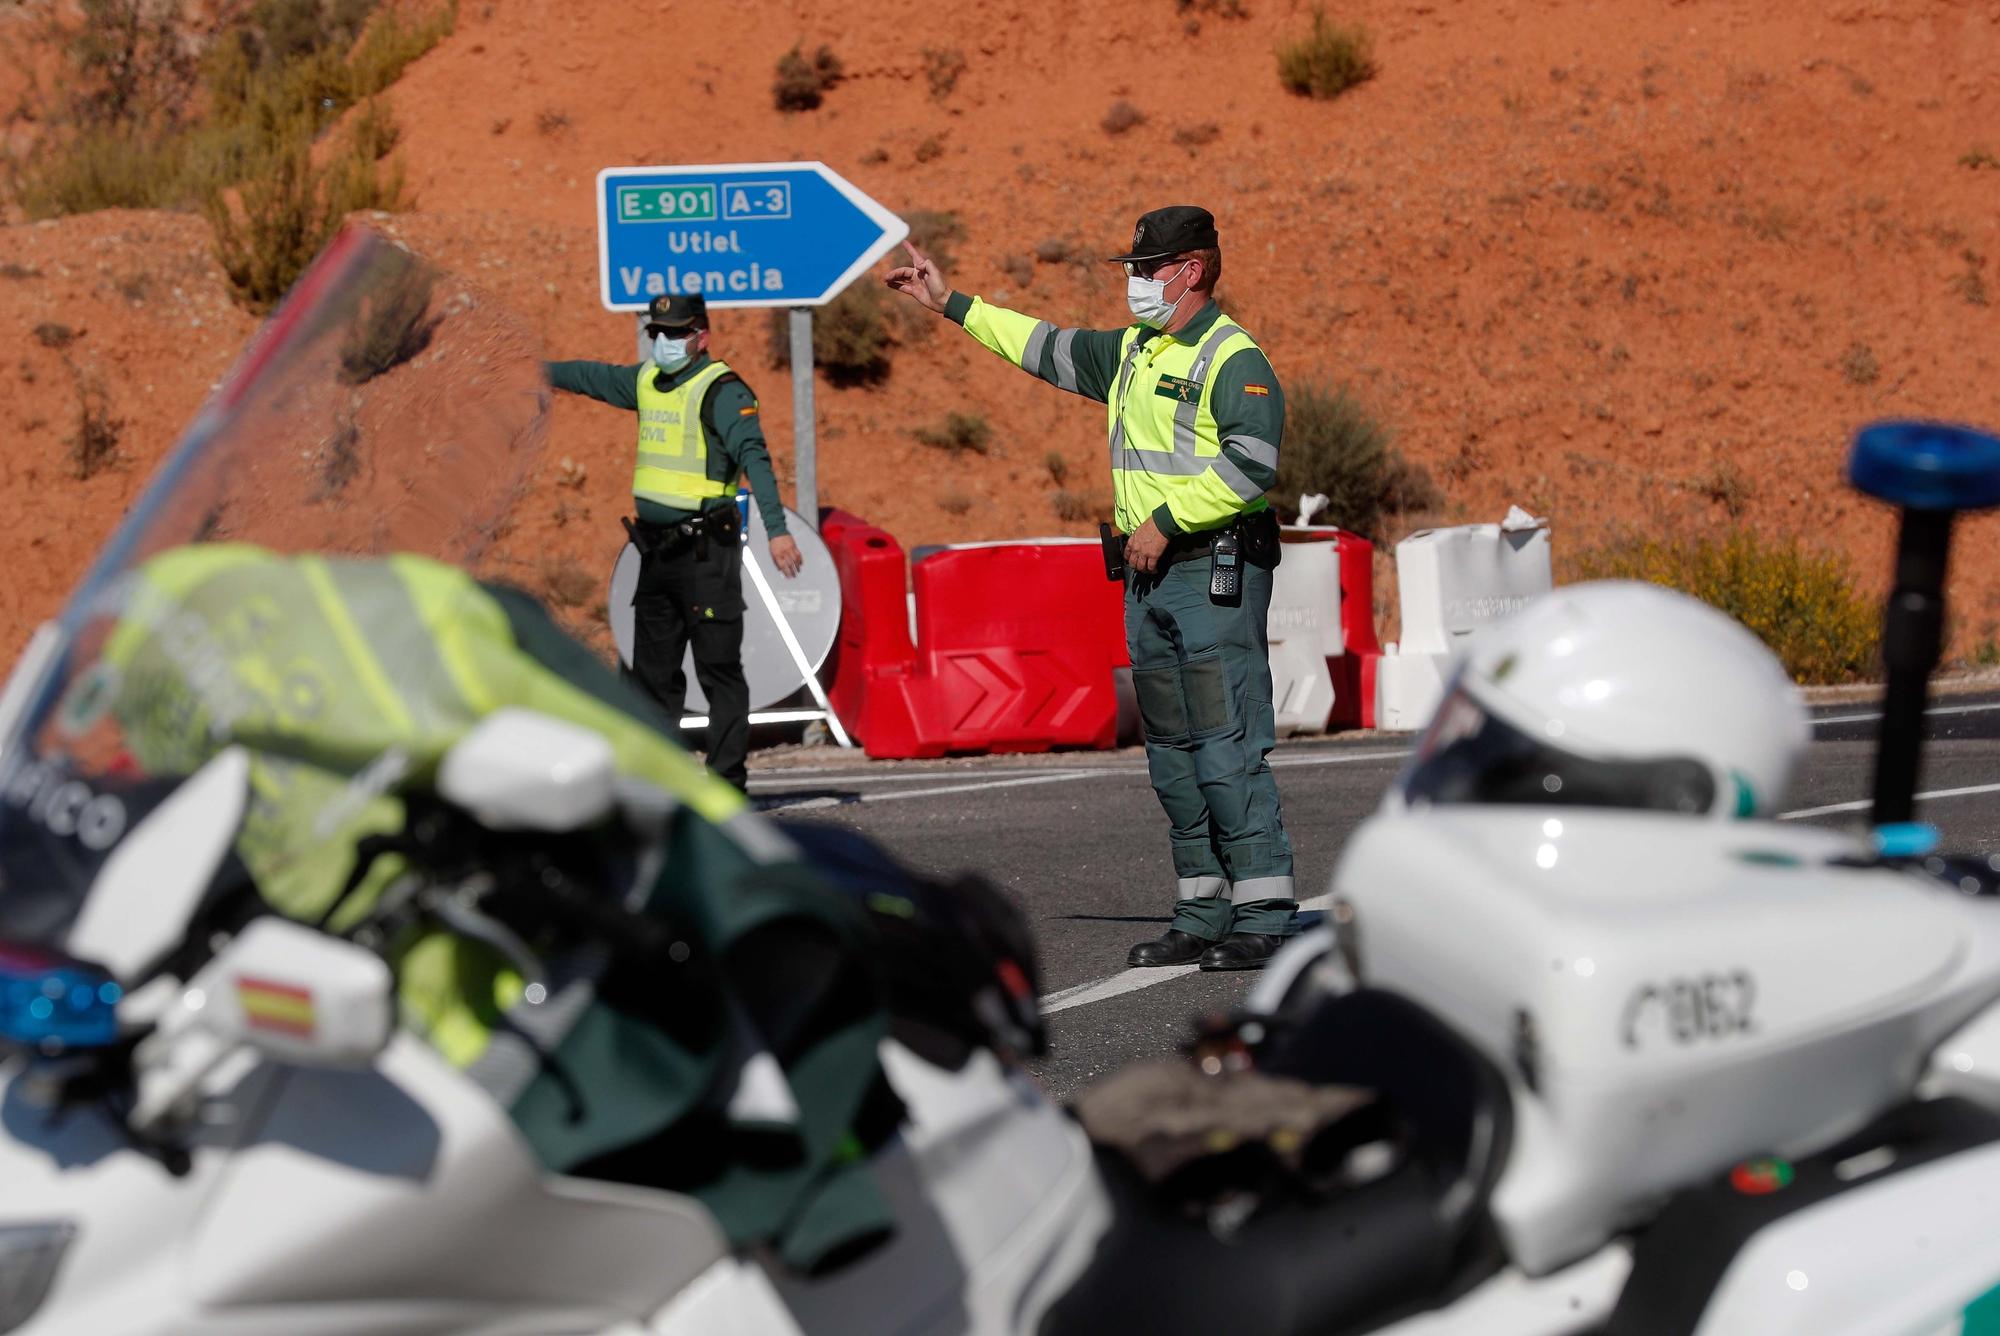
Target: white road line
{"type": "Point", "coordinates": [1044, 777]}
{"type": "Point", "coordinates": [810, 804]}
{"type": "Point", "coordinates": [1935, 709]}
{"type": "Point", "coordinates": [823, 779]}
{"type": "Point", "coordinates": [1132, 980]}
{"type": "Point", "coordinates": [1862, 804]}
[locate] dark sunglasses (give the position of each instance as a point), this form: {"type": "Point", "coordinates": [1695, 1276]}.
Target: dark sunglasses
{"type": "Point", "coordinates": [685, 331]}
{"type": "Point", "coordinates": [1148, 268]}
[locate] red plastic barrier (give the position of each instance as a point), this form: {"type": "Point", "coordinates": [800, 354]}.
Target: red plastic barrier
{"type": "Point", "coordinates": [1354, 670]}
{"type": "Point", "coordinates": [874, 614]}
{"type": "Point", "coordinates": [1015, 649]}
{"type": "Point", "coordinates": [1016, 643]}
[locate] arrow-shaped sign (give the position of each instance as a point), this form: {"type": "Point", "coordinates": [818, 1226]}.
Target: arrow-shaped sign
{"type": "Point", "coordinates": [741, 234]}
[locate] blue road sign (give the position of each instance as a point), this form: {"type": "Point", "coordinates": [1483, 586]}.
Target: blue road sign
{"type": "Point", "coordinates": [741, 234]}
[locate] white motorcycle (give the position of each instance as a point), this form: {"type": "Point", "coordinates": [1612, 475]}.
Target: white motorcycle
{"type": "Point", "coordinates": [1654, 1069]}
{"type": "Point", "coordinates": [221, 1126]}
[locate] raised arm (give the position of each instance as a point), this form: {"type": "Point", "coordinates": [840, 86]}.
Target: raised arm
{"type": "Point", "coordinates": [1082, 361]}
{"type": "Point", "coordinates": [606, 382]}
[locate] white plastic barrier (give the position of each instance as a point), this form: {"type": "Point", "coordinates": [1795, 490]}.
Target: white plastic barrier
{"type": "Point", "coordinates": [1451, 582]}
{"type": "Point", "coordinates": [1304, 629]}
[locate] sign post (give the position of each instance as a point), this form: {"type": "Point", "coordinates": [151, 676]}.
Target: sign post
{"type": "Point", "coordinates": [743, 234]}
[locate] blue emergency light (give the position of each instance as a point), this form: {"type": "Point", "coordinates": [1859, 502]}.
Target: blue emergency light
{"type": "Point", "coordinates": [52, 1004]}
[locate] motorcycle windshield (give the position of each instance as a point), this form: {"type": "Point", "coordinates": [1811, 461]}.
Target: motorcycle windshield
{"type": "Point", "coordinates": [386, 407]}
{"type": "Point", "coordinates": [1469, 754]}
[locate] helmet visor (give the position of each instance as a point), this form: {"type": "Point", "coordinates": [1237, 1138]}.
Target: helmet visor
{"type": "Point", "coordinates": [1471, 755]}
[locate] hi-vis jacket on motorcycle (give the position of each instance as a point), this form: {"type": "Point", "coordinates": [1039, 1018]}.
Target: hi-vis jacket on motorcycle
{"type": "Point", "coordinates": [343, 678]}
{"type": "Point", "coordinates": [1194, 420]}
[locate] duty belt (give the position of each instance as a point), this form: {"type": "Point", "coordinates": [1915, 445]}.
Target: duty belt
{"type": "Point", "coordinates": [1260, 541]}
{"type": "Point", "coordinates": [720, 523]}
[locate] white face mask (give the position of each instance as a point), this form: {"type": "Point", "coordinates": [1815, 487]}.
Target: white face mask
{"type": "Point", "coordinates": [1148, 298]}
{"type": "Point", "coordinates": [671, 355]}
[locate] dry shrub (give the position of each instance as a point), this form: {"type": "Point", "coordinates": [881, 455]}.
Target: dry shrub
{"type": "Point", "coordinates": [392, 325]}
{"type": "Point", "coordinates": [1192, 137]}
{"type": "Point", "coordinates": [935, 232]}
{"type": "Point", "coordinates": [1019, 268]}
{"type": "Point", "coordinates": [1054, 250]}
{"type": "Point", "coordinates": [942, 66]}
{"type": "Point", "coordinates": [94, 446]}
{"type": "Point", "coordinates": [1072, 506]}
{"type": "Point", "coordinates": [267, 236]}
{"type": "Point", "coordinates": [801, 84]}
{"type": "Point", "coordinates": [850, 337]}
{"type": "Point", "coordinates": [1798, 600]}
{"type": "Point", "coordinates": [1121, 117]}
{"type": "Point", "coordinates": [958, 433]}
{"type": "Point", "coordinates": [954, 503]}
{"type": "Point", "coordinates": [1058, 466]}
{"type": "Point", "coordinates": [567, 583]}
{"type": "Point", "coordinates": [1859, 365]}
{"type": "Point", "coordinates": [1329, 60]}
{"type": "Point", "coordinates": [1726, 485]}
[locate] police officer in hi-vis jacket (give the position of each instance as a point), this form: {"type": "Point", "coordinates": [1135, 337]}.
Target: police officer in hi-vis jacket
{"type": "Point", "coordinates": [698, 432]}
{"type": "Point", "coordinates": [1195, 418]}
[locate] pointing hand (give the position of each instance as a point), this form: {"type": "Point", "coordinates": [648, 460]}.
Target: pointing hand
{"type": "Point", "coordinates": [920, 280]}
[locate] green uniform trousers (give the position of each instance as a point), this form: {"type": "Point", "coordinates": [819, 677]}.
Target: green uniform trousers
{"type": "Point", "coordinates": [1202, 673]}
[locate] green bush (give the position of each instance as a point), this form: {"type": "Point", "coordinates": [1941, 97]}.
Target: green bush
{"type": "Point", "coordinates": [1334, 445]}
{"type": "Point", "coordinates": [1798, 599]}
{"type": "Point", "coordinates": [958, 433]}
{"type": "Point", "coordinates": [286, 213]}
{"type": "Point", "coordinates": [801, 84]}
{"type": "Point", "coordinates": [159, 117]}
{"type": "Point", "coordinates": [1328, 61]}
{"type": "Point", "coordinates": [110, 166]}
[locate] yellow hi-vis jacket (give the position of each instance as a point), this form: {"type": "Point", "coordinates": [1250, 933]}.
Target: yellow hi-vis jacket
{"type": "Point", "coordinates": [1195, 418]}
{"type": "Point", "coordinates": [672, 466]}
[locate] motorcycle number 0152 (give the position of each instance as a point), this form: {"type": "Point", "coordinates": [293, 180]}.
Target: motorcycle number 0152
{"type": "Point", "coordinates": [1689, 1010]}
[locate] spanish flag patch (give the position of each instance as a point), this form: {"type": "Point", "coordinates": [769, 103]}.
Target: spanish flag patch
{"type": "Point", "coordinates": [1262, 390]}
{"type": "Point", "coordinates": [283, 1007]}
{"type": "Point", "coordinates": [751, 411]}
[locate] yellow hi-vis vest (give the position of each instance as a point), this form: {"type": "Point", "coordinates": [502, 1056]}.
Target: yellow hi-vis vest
{"type": "Point", "coordinates": [1163, 433]}
{"type": "Point", "coordinates": [672, 468]}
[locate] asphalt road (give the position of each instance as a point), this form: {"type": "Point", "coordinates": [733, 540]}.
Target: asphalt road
{"type": "Point", "coordinates": [1080, 839]}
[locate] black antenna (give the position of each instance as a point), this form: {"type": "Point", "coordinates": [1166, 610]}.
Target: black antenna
{"type": "Point", "coordinates": [1932, 470]}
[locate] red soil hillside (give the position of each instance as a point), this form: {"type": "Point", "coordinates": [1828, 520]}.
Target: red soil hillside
{"type": "Point", "coordinates": [1625, 263]}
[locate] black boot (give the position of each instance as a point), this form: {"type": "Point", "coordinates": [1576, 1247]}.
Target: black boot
{"type": "Point", "coordinates": [1172, 947]}
{"type": "Point", "coordinates": [1241, 951]}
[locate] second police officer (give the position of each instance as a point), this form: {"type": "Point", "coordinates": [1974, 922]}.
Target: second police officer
{"type": "Point", "coordinates": [698, 432]}
{"type": "Point", "coordinates": [1195, 420]}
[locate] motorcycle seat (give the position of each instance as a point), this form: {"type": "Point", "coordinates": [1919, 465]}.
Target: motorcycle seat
{"type": "Point", "coordinates": [1408, 1240]}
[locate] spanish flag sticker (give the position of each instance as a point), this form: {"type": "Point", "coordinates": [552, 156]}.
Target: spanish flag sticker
{"type": "Point", "coordinates": [283, 1007]}
{"type": "Point", "coordinates": [751, 411]}
{"type": "Point", "coordinates": [1264, 390]}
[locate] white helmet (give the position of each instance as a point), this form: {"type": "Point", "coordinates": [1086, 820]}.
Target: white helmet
{"type": "Point", "coordinates": [1614, 694]}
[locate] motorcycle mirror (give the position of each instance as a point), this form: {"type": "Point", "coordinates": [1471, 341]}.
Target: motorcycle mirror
{"type": "Point", "coordinates": [279, 988]}
{"type": "Point", "coordinates": [520, 770]}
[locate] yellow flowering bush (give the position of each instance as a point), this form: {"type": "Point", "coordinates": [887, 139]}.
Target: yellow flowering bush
{"type": "Point", "coordinates": [1799, 600]}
